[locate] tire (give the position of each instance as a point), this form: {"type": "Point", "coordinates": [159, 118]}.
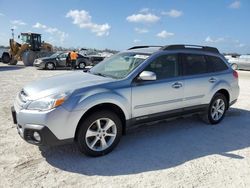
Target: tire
{"type": "Point", "coordinates": [91, 139]}
{"type": "Point", "coordinates": [82, 65]}
{"type": "Point", "coordinates": [50, 66]}
{"type": "Point", "coordinates": [6, 58]}
{"type": "Point", "coordinates": [218, 105]}
{"type": "Point", "coordinates": [29, 57]}
{"type": "Point", "coordinates": [13, 62]}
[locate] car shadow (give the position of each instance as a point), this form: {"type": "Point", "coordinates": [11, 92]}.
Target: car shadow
{"type": "Point", "coordinates": [159, 146]}
{"type": "Point", "coordinates": [11, 67]}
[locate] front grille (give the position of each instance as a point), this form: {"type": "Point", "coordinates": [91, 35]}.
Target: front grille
{"type": "Point", "coordinates": [28, 134]}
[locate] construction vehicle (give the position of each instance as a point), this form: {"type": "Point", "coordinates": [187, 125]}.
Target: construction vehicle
{"type": "Point", "coordinates": [31, 48]}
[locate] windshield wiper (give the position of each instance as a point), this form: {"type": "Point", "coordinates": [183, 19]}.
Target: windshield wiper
{"type": "Point", "coordinates": [99, 74]}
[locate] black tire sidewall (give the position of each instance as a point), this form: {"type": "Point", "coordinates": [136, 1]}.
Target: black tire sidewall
{"type": "Point", "coordinates": [82, 145]}
{"type": "Point", "coordinates": [216, 96]}
{"type": "Point", "coordinates": [5, 58]}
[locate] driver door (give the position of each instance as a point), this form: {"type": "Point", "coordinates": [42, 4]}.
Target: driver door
{"type": "Point", "coordinates": [61, 60]}
{"type": "Point", "coordinates": [159, 97]}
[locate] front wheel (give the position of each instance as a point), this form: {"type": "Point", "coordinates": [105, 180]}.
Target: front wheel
{"type": "Point", "coordinates": [6, 58]}
{"type": "Point", "coordinates": [99, 133]}
{"type": "Point", "coordinates": [216, 110]}
{"type": "Point", "coordinates": [50, 66]}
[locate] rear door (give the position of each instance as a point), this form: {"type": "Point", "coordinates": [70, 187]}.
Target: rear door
{"type": "Point", "coordinates": [152, 98]}
{"type": "Point", "coordinates": [197, 78]}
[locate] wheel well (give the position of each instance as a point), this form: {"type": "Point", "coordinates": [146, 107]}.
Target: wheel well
{"type": "Point", "coordinates": [5, 53]}
{"type": "Point", "coordinates": [104, 106]}
{"type": "Point", "coordinates": [50, 62]}
{"type": "Point", "coordinates": [226, 94]}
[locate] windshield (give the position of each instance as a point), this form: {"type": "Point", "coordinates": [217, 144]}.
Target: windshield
{"type": "Point", "coordinates": [25, 38]}
{"type": "Point", "coordinates": [119, 66]}
{"type": "Point", "coordinates": [54, 55]}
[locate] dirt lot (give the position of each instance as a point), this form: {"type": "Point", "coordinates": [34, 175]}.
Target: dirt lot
{"type": "Point", "coordinates": [179, 153]}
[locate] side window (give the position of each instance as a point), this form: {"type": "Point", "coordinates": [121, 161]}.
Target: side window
{"type": "Point", "coordinates": [194, 64]}
{"type": "Point", "coordinates": [165, 66]}
{"type": "Point", "coordinates": [62, 56]}
{"type": "Point", "coordinates": [216, 63]}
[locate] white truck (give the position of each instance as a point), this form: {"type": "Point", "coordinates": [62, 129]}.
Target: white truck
{"type": "Point", "coordinates": [4, 55]}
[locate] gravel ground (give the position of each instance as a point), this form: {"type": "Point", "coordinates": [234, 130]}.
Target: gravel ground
{"type": "Point", "coordinates": [178, 153]}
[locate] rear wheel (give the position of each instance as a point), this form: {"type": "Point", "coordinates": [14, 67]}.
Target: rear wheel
{"type": "Point", "coordinates": [29, 58]}
{"type": "Point", "coordinates": [81, 65]}
{"type": "Point", "coordinates": [216, 110]}
{"type": "Point", "coordinates": [99, 133]}
{"type": "Point", "coordinates": [13, 61]}
{"type": "Point", "coordinates": [50, 66]}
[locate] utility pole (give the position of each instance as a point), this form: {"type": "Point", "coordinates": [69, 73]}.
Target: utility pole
{"type": "Point", "coordinates": [12, 32]}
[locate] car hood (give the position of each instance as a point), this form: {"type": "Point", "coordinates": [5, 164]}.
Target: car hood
{"type": "Point", "coordinates": [62, 83]}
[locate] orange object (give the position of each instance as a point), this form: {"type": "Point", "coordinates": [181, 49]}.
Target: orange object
{"type": "Point", "coordinates": [73, 55]}
{"type": "Point", "coordinates": [58, 102]}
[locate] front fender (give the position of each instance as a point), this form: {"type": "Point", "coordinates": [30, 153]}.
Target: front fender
{"type": "Point", "coordinates": [99, 96]}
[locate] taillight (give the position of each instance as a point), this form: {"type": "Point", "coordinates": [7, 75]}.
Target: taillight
{"type": "Point", "coordinates": [235, 74]}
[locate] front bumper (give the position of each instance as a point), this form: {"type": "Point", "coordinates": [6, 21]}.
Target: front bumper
{"type": "Point", "coordinates": [40, 65]}
{"type": "Point", "coordinates": [46, 137]}
{"type": "Point", "coordinates": [29, 133]}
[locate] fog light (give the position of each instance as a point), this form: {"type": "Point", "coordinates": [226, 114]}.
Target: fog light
{"type": "Point", "coordinates": [37, 136]}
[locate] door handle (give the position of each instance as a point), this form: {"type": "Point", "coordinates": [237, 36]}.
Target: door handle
{"type": "Point", "coordinates": [212, 80]}
{"type": "Point", "coordinates": [177, 85]}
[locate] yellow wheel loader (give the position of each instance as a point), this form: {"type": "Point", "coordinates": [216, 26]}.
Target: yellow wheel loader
{"type": "Point", "coordinates": [31, 49]}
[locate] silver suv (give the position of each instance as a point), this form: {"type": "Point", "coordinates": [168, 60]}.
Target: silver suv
{"type": "Point", "coordinates": [141, 84]}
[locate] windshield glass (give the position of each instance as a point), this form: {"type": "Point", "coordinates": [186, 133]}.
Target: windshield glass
{"type": "Point", "coordinates": [25, 38]}
{"type": "Point", "coordinates": [54, 55]}
{"type": "Point", "coordinates": [119, 66]}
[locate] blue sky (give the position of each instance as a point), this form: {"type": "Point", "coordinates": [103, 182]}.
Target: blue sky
{"type": "Point", "coordinates": [121, 24]}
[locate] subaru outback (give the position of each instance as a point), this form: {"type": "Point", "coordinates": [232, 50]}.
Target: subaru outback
{"type": "Point", "coordinates": [138, 85]}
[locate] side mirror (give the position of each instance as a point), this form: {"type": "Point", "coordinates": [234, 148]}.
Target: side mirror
{"type": "Point", "coordinates": [147, 76]}
{"type": "Point", "coordinates": [234, 66]}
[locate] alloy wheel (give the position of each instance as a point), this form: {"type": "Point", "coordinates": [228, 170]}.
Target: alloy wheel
{"type": "Point", "coordinates": [101, 134]}
{"type": "Point", "coordinates": [218, 109]}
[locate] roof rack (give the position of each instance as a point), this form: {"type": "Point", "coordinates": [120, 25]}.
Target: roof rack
{"type": "Point", "coordinates": [193, 47]}
{"type": "Point", "coordinates": [137, 47]}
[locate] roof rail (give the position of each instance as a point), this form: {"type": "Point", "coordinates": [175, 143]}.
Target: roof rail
{"type": "Point", "coordinates": [136, 47]}
{"type": "Point", "coordinates": [193, 47]}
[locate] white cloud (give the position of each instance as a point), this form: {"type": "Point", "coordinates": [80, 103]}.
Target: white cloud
{"type": "Point", "coordinates": [241, 45]}
{"type": "Point", "coordinates": [235, 5]}
{"type": "Point", "coordinates": [1, 14]}
{"type": "Point", "coordinates": [164, 34]}
{"type": "Point", "coordinates": [144, 10]}
{"type": "Point", "coordinates": [53, 31]}
{"type": "Point", "coordinates": [141, 30]}
{"type": "Point", "coordinates": [39, 26]}
{"type": "Point", "coordinates": [143, 18]}
{"type": "Point", "coordinates": [173, 13]}
{"type": "Point", "coordinates": [137, 41]}
{"type": "Point", "coordinates": [215, 40]}
{"type": "Point", "coordinates": [18, 22]}
{"type": "Point", "coordinates": [84, 20]}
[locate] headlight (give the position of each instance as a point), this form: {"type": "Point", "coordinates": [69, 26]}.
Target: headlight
{"type": "Point", "coordinates": [49, 102]}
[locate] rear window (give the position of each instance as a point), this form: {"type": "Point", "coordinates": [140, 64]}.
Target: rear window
{"type": "Point", "coordinates": [194, 64]}
{"type": "Point", "coordinates": [216, 63]}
